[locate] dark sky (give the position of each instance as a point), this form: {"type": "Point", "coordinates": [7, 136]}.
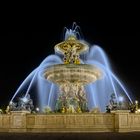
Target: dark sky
{"type": "Point", "coordinates": [25, 42]}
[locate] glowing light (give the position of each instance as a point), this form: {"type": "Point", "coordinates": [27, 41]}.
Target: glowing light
{"type": "Point", "coordinates": [37, 109]}
{"type": "Point", "coordinates": [136, 102]}
{"type": "Point", "coordinates": [120, 99]}
{"type": "Point", "coordinates": [10, 103]}
{"type": "Point", "coordinates": [24, 99]}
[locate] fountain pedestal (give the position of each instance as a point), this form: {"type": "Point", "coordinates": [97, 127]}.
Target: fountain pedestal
{"type": "Point", "coordinates": [71, 79]}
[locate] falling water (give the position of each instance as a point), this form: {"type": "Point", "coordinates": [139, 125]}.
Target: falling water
{"type": "Point", "coordinates": [99, 92]}
{"type": "Point", "coordinates": [43, 86]}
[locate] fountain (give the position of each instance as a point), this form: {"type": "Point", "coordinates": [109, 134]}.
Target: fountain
{"type": "Point", "coordinates": [77, 78]}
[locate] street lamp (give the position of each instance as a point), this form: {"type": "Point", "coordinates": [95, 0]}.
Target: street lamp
{"type": "Point", "coordinates": [136, 105]}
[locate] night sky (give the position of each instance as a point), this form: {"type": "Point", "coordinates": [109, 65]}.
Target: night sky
{"type": "Point", "coordinates": [25, 42]}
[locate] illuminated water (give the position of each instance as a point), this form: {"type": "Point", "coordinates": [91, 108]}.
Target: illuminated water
{"type": "Point", "coordinates": [98, 93]}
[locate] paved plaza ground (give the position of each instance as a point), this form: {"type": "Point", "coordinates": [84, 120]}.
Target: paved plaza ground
{"type": "Point", "coordinates": [70, 136]}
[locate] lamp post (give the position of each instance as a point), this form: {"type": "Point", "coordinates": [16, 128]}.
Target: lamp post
{"type": "Point", "coordinates": [136, 105]}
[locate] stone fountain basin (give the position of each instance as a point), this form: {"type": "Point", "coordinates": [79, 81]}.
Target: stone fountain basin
{"type": "Point", "coordinates": [73, 73]}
